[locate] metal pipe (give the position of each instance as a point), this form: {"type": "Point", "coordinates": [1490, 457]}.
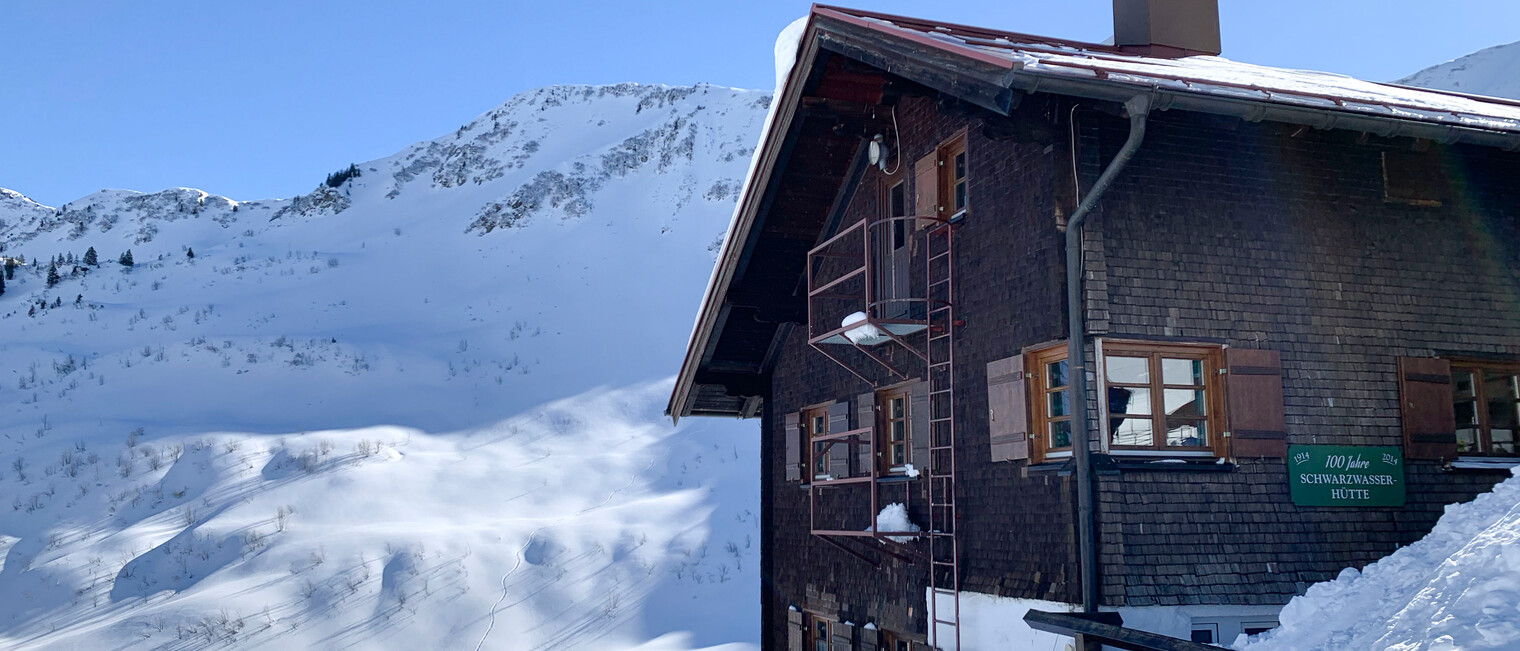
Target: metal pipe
{"type": "Point", "coordinates": [1087, 549]}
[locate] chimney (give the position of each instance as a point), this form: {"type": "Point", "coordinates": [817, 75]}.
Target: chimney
{"type": "Point", "coordinates": [1167, 28]}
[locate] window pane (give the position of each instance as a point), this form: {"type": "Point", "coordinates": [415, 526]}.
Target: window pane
{"type": "Point", "coordinates": [1130, 431]}
{"type": "Point", "coordinates": [820, 426]}
{"type": "Point", "coordinates": [1501, 413]}
{"type": "Point", "coordinates": [1184, 402]}
{"type": "Point", "coordinates": [1127, 400]}
{"type": "Point", "coordinates": [1500, 385]}
{"type": "Point", "coordinates": [898, 431]}
{"type": "Point", "coordinates": [899, 201]}
{"type": "Point", "coordinates": [1182, 371]}
{"type": "Point", "coordinates": [1467, 439]}
{"type": "Point", "coordinates": [960, 196]}
{"type": "Point", "coordinates": [897, 407]}
{"type": "Point", "coordinates": [1503, 440]}
{"type": "Point", "coordinates": [960, 166]}
{"type": "Point", "coordinates": [1462, 383]}
{"type": "Point", "coordinates": [1060, 434]}
{"type": "Point", "coordinates": [1129, 370]}
{"type": "Point", "coordinates": [1187, 432]}
{"type": "Point", "coordinates": [1055, 374]}
{"type": "Point", "coordinates": [1058, 406]}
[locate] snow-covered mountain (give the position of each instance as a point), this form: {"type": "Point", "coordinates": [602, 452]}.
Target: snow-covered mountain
{"type": "Point", "coordinates": [417, 407]}
{"type": "Point", "coordinates": [1493, 71]}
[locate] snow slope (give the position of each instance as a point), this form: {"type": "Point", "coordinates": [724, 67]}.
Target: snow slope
{"type": "Point", "coordinates": [415, 409]}
{"type": "Point", "coordinates": [1494, 72]}
{"type": "Point", "coordinates": [1457, 588]}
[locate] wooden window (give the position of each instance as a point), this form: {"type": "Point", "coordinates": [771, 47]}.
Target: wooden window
{"type": "Point", "coordinates": [815, 423]}
{"type": "Point", "coordinates": [1163, 398]}
{"type": "Point", "coordinates": [894, 642]}
{"type": "Point", "coordinates": [940, 181]}
{"type": "Point", "coordinates": [818, 634]}
{"type": "Point", "coordinates": [1413, 177]}
{"type": "Point", "coordinates": [953, 177]}
{"type": "Point", "coordinates": [1486, 406]}
{"type": "Point", "coordinates": [892, 438]}
{"type": "Point", "coordinates": [1048, 379]}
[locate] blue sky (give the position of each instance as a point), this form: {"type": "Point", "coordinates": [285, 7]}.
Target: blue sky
{"type": "Point", "coordinates": [263, 99]}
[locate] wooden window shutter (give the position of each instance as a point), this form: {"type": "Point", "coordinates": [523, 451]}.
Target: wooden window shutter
{"type": "Point", "coordinates": [865, 416]}
{"type": "Point", "coordinates": [869, 638]}
{"type": "Point", "coordinates": [792, 432]}
{"type": "Point", "coordinates": [1254, 402]}
{"type": "Point", "coordinates": [1425, 407]}
{"type": "Point", "coordinates": [839, 453]}
{"type": "Point", "coordinates": [795, 628]}
{"type": "Point", "coordinates": [926, 187]}
{"type": "Point", "coordinates": [918, 426]}
{"type": "Point", "coordinates": [844, 637]}
{"type": "Point", "coordinates": [1007, 409]}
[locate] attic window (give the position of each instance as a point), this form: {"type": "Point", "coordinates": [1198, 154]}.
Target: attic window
{"type": "Point", "coordinates": [1412, 177]}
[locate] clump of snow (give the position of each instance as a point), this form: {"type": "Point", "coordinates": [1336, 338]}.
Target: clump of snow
{"type": "Point", "coordinates": [909, 470]}
{"type": "Point", "coordinates": [894, 519]}
{"type": "Point", "coordinates": [1457, 588]}
{"type": "Point", "coordinates": [866, 334]}
{"type": "Point", "coordinates": [787, 43]}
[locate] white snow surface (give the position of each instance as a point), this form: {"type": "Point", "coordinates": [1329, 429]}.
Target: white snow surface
{"type": "Point", "coordinates": [420, 409]}
{"type": "Point", "coordinates": [1493, 71]}
{"type": "Point", "coordinates": [1456, 588]}
{"type": "Point", "coordinates": [1223, 77]}
{"type": "Point", "coordinates": [894, 518]}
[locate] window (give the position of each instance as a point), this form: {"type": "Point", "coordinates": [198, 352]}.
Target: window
{"type": "Point", "coordinates": [1486, 398]}
{"type": "Point", "coordinates": [1205, 633]}
{"type": "Point", "coordinates": [893, 431]}
{"type": "Point", "coordinates": [1048, 378]}
{"type": "Point", "coordinates": [818, 635]}
{"type": "Point", "coordinates": [953, 176]}
{"type": "Point", "coordinates": [1162, 398]}
{"type": "Point", "coordinates": [1412, 177]}
{"type": "Point", "coordinates": [815, 423]}
{"type": "Point", "coordinates": [893, 642]}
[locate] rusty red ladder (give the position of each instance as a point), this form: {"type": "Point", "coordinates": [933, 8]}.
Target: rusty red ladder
{"type": "Point", "coordinates": [944, 550]}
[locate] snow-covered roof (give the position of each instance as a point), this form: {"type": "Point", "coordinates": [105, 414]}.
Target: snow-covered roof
{"type": "Point", "coordinates": [1033, 56]}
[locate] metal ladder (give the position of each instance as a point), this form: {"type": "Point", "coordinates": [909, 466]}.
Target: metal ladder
{"type": "Point", "coordinates": [944, 549]}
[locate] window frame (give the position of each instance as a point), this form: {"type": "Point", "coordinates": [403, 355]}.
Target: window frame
{"type": "Point", "coordinates": [810, 631]}
{"type": "Point", "coordinates": [1417, 180]}
{"type": "Point", "coordinates": [885, 467]}
{"type": "Point", "coordinates": [947, 180]}
{"type": "Point", "coordinates": [1484, 436]}
{"type": "Point", "coordinates": [1215, 419]}
{"type": "Point", "coordinates": [810, 417]}
{"type": "Point", "coordinates": [1038, 401]}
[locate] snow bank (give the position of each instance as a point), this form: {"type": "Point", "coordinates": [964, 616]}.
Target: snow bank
{"type": "Point", "coordinates": [1457, 588]}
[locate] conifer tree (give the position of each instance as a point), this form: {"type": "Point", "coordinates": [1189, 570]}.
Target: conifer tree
{"type": "Point", "coordinates": [90, 257]}
{"type": "Point", "coordinates": [190, 253]}
{"type": "Point", "coordinates": [2, 284]}
{"type": "Point", "coordinates": [126, 258]}
{"type": "Point", "coordinates": [52, 277]}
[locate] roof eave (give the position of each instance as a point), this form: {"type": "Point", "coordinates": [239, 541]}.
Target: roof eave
{"type": "Point", "coordinates": [739, 229]}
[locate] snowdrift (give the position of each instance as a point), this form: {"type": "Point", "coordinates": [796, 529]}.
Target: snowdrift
{"type": "Point", "coordinates": [1457, 588]}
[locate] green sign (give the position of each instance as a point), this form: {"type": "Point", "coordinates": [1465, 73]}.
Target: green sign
{"type": "Point", "coordinates": [1346, 475]}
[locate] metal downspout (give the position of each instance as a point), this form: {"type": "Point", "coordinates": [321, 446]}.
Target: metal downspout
{"type": "Point", "coordinates": [1138, 107]}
